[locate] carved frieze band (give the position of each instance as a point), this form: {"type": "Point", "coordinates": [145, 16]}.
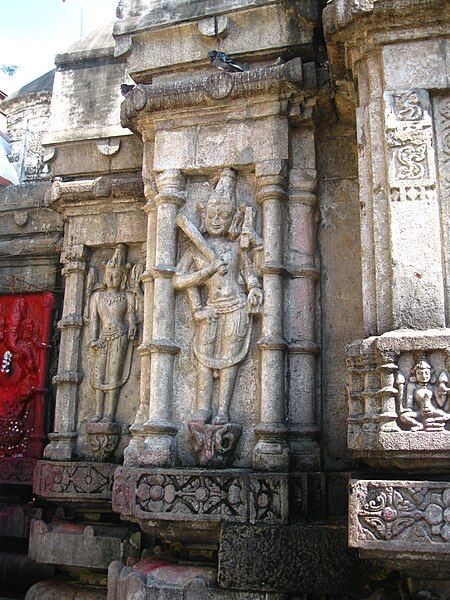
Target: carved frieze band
{"type": "Point", "coordinates": [199, 495]}
{"type": "Point", "coordinates": [285, 77]}
{"type": "Point", "coordinates": [405, 516]}
{"type": "Point", "coordinates": [75, 481]}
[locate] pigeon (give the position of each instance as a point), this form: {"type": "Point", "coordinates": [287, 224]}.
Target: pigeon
{"type": "Point", "coordinates": [223, 62]}
{"type": "Point", "coordinates": [125, 88]}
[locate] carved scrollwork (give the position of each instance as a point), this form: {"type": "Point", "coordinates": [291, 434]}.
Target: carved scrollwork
{"type": "Point", "coordinates": [404, 511]}
{"type": "Point", "coordinates": [409, 136]}
{"type": "Point", "coordinates": [191, 495]}
{"type": "Point", "coordinates": [199, 495]}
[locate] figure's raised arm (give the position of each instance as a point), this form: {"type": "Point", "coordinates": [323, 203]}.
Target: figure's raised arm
{"type": "Point", "coordinates": [185, 278]}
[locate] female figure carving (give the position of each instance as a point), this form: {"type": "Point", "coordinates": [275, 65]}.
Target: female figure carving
{"type": "Point", "coordinates": [113, 324]}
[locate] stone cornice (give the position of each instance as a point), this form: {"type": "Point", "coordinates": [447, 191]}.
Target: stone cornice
{"type": "Point", "coordinates": [138, 20]}
{"type": "Point", "coordinates": [344, 16]}
{"type": "Point", "coordinates": [207, 90]}
{"type": "Point", "coordinates": [70, 192]}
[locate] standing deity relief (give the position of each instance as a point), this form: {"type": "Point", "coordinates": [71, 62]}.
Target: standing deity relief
{"type": "Point", "coordinates": [422, 402]}
{"type": "Point", "coordinates": [112, 314]}
{"type": "Point", "coordinates": [225, 294]}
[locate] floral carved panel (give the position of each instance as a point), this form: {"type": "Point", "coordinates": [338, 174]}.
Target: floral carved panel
{"type": "Point", "coordinates": [400, 515]}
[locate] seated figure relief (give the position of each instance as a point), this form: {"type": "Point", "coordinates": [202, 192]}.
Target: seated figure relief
{"type": "Point", "coordinates": [421, 408]}
{"type": "Point", "coordinates": [225, 293]}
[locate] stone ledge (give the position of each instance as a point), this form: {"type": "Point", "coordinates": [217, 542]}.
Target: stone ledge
{"type": "Point", "coordinates": [403, 521]}
{"type": "Point", "coordinates": [285, 78]}
{"type": "Point", "coordinates": [82, 546]}
{"type": "Point", "coordinates": [200, 495]}
{"type": "Point", "coordinates": [16, 471]}
{"type": "Point", "coordinates": [74, 481]}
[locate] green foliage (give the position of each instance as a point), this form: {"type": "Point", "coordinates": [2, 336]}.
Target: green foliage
{"type": "Point", "coordinates": [9, 69]}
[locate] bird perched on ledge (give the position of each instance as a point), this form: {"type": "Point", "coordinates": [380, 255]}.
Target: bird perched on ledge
{"type": "Point", "coordinates": [223, 62]}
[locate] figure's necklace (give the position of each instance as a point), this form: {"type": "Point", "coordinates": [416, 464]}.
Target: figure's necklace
{"type": "Point", "coordinates": [114, 297]}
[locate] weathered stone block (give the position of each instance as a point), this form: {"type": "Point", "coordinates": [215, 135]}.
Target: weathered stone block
{"type": "Point", "coordinates": [159, 578]}
{"type": "Point", "coordinates": [58, 590]}
{"type": "Point", "coordinates": [302, 559]}
{"type": "Point", "coordinates": [76, 545]}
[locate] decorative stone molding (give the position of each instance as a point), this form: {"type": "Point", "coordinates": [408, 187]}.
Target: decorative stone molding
{"type": "Point", "coordinates": [401, 521]}
{"type": "Point", "coordinates": [284, 78]}
{"type": "Point", "coordinates": [74, 482]}
{"type": "Point", "coordinates": [398, 406]}
{"type": "Point", "coordinates": [206, 496]}
{"type": "Point", "coordinates": [16, 471]}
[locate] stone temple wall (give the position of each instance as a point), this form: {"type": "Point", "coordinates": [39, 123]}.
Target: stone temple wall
{"type": "Point", "coordinates": [251, 392]}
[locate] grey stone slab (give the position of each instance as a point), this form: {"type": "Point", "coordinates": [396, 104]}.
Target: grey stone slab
{"type": "Point", "coordinates": [302, 559]}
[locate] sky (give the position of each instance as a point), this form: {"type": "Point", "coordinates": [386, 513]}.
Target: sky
{"type": "Point", "coordinates": [32, 32]}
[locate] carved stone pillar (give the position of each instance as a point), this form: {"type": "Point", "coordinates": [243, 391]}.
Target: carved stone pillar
{"type": "Point", "coordinates": [271, 452]}
{"type": "Point", "coordinates": [62, 441]}
{"type": "Point", "coordinates": [137, 443]}
{"type": "Point", "coordinates": [301, 324]}
{"type": "Point", "coordinates": [159, 446]}
{"type": "Point", "coordinates": [402, 243]}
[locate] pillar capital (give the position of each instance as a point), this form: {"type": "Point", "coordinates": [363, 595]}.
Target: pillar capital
{"type": "Point", "coordinates": [171, 187]}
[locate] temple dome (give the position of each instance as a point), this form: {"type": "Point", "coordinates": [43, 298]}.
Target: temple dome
{"type": "Point", "coordinates": [44, 83]}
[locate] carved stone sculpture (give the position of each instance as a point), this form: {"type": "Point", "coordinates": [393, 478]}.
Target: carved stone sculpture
{"type": "Point", "coordinates": [421, 409]}
{"type": "Point", "coordinates": [218, 265]}
{"type": "Point", "coordinates": [112, 325]}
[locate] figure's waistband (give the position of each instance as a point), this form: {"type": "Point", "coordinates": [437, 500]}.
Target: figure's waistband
{"type": "Point", "coordinates": [226, 306]}
{"type": "Point", "coordinates": [111, 333]}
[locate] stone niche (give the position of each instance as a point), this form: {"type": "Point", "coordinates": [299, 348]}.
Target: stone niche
{"type": "Point", "coordinates": [230, 260]}
{"type": "Point", "coordinates": [102, 318]}
{"type": "Point", "coordinates": [103, 398]}
{"type": "Point", "coordinates": [398, 406]}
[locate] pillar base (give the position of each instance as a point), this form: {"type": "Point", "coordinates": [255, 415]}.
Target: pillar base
{"type": "Point", "coordinates": [61, 446]}
{"type": "Point", "coordinates": [152, 445]}
{"type": "Point", "coordinates": [271, 452]}
{"type": "Point", "coordinates": [304, 450]}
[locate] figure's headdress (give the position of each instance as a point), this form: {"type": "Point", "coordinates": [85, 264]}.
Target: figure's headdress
{"type": "Point", "coordinates": [225, 190]}
{"type": "Point", "coordinates": [422, 364]}
{"type": "Point", "coordinates": [119, 259]}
